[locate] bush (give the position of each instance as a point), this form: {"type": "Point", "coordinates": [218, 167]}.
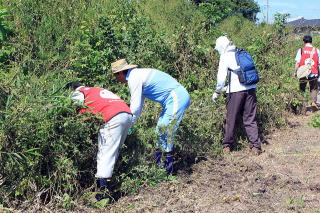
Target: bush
{"type": "Point", "coordinates": [48, 151]}
{"type": "Point", "coordinates": [315, 121]}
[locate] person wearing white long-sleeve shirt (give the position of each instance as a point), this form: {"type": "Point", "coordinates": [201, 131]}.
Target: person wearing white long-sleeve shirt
{"type": "Point", "coordinates": [241, 99]}
{"type": "Point", "coordinates": [160, 87]}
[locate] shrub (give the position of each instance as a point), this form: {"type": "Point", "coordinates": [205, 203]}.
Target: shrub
{"type": "Point", "coordinates": [47, 151]}
{"type": "Point", "coordinates": [315, 121]}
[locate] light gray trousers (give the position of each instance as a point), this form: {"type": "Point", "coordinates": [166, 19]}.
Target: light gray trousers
{"type": "Point", "coordinates": [110, 138]}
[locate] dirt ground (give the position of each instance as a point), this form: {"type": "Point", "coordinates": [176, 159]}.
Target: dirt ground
{"type": "Point", "coordinates": [285, 178]}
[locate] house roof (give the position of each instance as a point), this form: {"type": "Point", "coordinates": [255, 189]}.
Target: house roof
{"type": "Point", "coordinates": [305, 23]}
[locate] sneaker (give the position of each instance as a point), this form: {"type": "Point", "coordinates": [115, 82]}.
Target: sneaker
{"type": "Point", "coordinates": [102, 195]}
{"type": "Point", "coordinates": [256, 151]}
{"type": "Point", "coordinates": [103, 186]}
{"type": "Point", "coordinates": [226, 150]}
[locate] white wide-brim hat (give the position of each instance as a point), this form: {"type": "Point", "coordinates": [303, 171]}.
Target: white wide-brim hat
{"type": "Point", "coordinates": [121, 65]}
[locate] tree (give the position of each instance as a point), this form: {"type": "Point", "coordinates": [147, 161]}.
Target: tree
{"type": "Point", "coordinates": [248, 8]}
{"type": "Point", "coordinates": [216, 10]}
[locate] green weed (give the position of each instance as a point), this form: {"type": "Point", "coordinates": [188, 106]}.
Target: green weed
{"type": "Point", "coordinates": [48, 150]}
{"type": "Point", "coordinates": [315, 120]}
{"type": "Point", "coordinates": [289, 201]}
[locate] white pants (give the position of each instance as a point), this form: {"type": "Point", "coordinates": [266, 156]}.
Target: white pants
{"type": "Point", "coordinates": [111, 136]}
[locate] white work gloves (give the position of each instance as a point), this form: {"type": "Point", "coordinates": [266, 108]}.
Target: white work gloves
{"type": "Point", "coordinates": [215, 96]}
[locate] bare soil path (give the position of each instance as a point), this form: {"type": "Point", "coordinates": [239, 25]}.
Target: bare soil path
{"type": "Point", "coordinates": [285, 178]}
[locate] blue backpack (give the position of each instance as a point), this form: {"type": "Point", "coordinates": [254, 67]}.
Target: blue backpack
{"type": "Point", "coordinates": [247, 72]}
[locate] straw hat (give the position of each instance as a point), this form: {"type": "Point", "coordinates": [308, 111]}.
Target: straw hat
{"type": "Point", "coordinates": [121, 65]}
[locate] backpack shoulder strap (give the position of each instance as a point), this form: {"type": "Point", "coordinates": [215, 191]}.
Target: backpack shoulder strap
{"type": "Point", "coordinates": [312, 52]}
{"type": "Point", "coordinates": [236, 53]}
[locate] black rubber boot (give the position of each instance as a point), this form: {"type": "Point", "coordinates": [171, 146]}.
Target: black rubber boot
{"type": "Point", "coordinates": [158, 156]}
{"type": "Point", "coordinates": [168, 163]}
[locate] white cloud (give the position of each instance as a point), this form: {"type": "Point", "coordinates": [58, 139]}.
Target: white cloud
{"type": "Point", "coordinates": [294, 18]}
{"type": "Point", "coordinates": [283, 11]}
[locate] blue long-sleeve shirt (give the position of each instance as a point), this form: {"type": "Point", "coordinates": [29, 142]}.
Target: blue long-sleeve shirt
{"type": "Point", "coordinates": [148, 83]}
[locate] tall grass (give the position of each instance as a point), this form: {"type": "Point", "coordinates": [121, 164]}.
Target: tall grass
{"type": "Point", "coordinates": [47, 151]}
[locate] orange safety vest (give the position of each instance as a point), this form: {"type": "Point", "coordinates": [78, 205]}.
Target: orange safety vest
{"type": "Point", "coordinates": [103, 102]}
{"type": "Point", "coordinates": [305, 55]}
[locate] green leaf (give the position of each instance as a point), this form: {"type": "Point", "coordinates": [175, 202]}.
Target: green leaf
{"type": "Point", "coordinates": [102, 203]}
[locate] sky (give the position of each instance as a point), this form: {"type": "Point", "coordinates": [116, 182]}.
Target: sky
{"type": "Point", "coordinates": [309, 9]}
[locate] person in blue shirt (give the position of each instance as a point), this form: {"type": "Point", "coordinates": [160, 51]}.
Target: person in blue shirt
{"type": "Point", "coordinates": [160, 87]}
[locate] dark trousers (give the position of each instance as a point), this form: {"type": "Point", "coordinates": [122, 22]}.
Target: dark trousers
{"type": "Point", "coordinates": [313, 84]}
{"type": "Point", "coordinates": [245, 104]}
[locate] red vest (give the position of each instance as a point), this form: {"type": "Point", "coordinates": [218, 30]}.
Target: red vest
{"type": "Point", "coordinates": [305, 55]}
{"type": "Point", "coordinates": [103, 102]}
